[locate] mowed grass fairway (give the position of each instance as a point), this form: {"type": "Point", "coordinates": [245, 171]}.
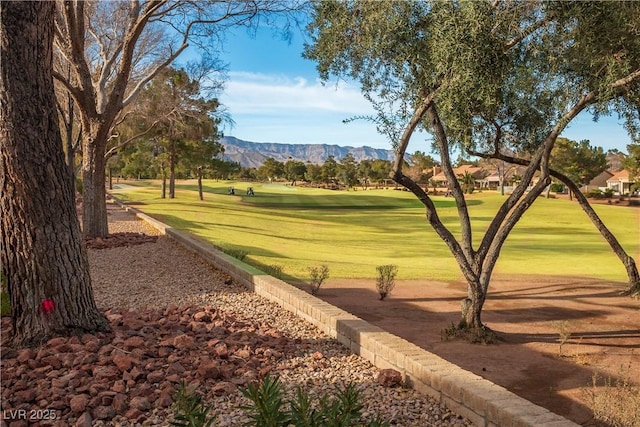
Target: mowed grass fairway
{"type": "Point", "coordinates": [354, 231]}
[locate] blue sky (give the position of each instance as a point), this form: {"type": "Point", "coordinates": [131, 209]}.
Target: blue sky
{"type": "Point", "coordinates": [274, 95]}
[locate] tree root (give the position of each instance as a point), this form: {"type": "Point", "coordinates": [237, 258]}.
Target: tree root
{"type": "Point", "coordinates": [632, 291]}
{"type": "Point", "coordinates": [479, 335]}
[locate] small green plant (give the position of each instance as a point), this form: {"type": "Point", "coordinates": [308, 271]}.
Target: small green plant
{"type": "Point", "coordinates": [344, 409]}
{"type": "Point", "coordinates": [318, 276]}
{"type": "Point", "coordinates": [275, 270]}
{"type": "Point", "coordinates": [270, 409]}
{"type": "Point", "coordinates": [189, 409]}
{"type": "Point", "coordinates": [267, 409]}
{"type": "Point", "coordinates": [563, 334]}
{"type": "Point", "coordinates": [386, 279]}
{"type": "Point", "coordinates": [240, 254]}
{"type": "Point", "coordinates": [303, 412]}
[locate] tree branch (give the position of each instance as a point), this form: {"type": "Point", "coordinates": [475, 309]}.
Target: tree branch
{"type": "Point", "coordinates": [411, 185]}
{"type": "Point", "coordinates": [408, 132]}
{"type": "Point", "coordinates": [114, 149]}
{"type": "Point", "coordinates": [74, 91]}
{"type": "Point", "coordinates": [136, 90]}
{"type": "Point", "coordinates": [456, 189]}
{"type": "Point", "coordinates": [74, 19]}
{"type": "Point", "coordinates": [526, 32]}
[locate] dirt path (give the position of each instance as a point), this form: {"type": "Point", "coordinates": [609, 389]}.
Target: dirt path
{"type": "Point", "coordinates": [529, 313]}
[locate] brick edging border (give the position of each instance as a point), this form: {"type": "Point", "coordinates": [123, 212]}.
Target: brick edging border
{"type": "Point", "coordinates": [482, 402]}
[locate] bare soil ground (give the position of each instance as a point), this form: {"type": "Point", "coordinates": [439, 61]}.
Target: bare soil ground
{"type": "Point", "coordinates": [528, 313]}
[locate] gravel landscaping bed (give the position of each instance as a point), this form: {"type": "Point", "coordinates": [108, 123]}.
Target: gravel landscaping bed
{"type": "Point", "coordinates": [175, 318]}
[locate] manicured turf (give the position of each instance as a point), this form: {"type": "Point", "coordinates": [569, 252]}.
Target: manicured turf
{"type": "Point", "coordinates": [355, 231]}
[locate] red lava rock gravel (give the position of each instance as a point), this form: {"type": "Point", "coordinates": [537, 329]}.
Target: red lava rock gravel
{"type": "Point", "coordinates": [117, 240]}
{"type": "Point", "coordinates": [136, 367]}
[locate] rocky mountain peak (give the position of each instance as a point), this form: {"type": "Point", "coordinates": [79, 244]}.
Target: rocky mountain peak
{"type": "Point", "coordinates": [253, 154]}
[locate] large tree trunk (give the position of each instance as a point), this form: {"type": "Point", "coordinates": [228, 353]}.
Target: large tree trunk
{"type": "Point", "coordinates": [69, 149]}
{"type": "Point", "coordinates": [471, 309]}
{"type": "Point", "coordinates": [70, 157]}
{"type": "Point", "coordinates": [471, 326]}
{"type": "Point", "coordinates": [200, 195]}
{"type": "Point", "coordinates": [94, 195]}
{"type": "Point", "coordinates": [42, 253]}
{"type": "Point", "coordinates": [172, 175]}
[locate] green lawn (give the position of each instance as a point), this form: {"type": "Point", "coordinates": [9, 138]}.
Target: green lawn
{"type": "Point", "coordinates": [355, 231]}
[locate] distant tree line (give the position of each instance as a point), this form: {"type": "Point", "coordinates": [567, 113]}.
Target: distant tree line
{"type": "Point", "coordinates": [148, 158]}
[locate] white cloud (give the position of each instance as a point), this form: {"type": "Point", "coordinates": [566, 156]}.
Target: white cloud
{"type": "Point", "coordinates": [295, 110]}
{"type": "Point", "coordinates": [251, 93]}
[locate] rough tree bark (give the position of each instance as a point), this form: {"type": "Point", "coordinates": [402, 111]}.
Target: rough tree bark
{"type": "Point", "coordinates": [172, 172]}
{"type": "Point", "coordinates": [42, 253]}
{"type": "Point", "coordinates": [94, 193]}
{"type": "Point", "coordinates": [200, 193]}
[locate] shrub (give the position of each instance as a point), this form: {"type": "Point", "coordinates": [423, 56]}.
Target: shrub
{"type": "Point", "coordinates": [343, 410]}
{"type": "Point", "coordinates": [563, 333]}
{"type": "Point", "coordinates": [189, 409]}
{"type": "Point", "coordinates": [556, 187]}
{"type": "Point", "coordinates": [275, 270]}
{"type": "Point", "coordinates": [303, 412]}
{"type": "Point", "coordinates": [318, 276]}
{"type": "Point", "coordinates": [614, 402]}
{"type": "Point", "coordinates": [386, 279]}
{"type": "Point", "coordinates": [237, 253]}
{"type": "Point", "coordinates": [269, 408]}
{"type": "Point", "coordinates": [595, 194]}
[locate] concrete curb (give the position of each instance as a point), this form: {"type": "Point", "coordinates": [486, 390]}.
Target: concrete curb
{"type": "Point", "coordinates": [469, 395]}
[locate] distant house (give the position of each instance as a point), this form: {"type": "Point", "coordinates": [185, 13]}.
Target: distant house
{"type": "Point", "coordinates": [477, 173]}
{"type": "Point", "coordinates": [492, 181]}
{"type": "Point", "coordinates": [620, 182]}
{"type": "Point", "coordinates": [599, 182]}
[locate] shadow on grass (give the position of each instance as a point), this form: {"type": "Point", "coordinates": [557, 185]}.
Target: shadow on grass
{"type": "Point", "coordinates": [338, 200]}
